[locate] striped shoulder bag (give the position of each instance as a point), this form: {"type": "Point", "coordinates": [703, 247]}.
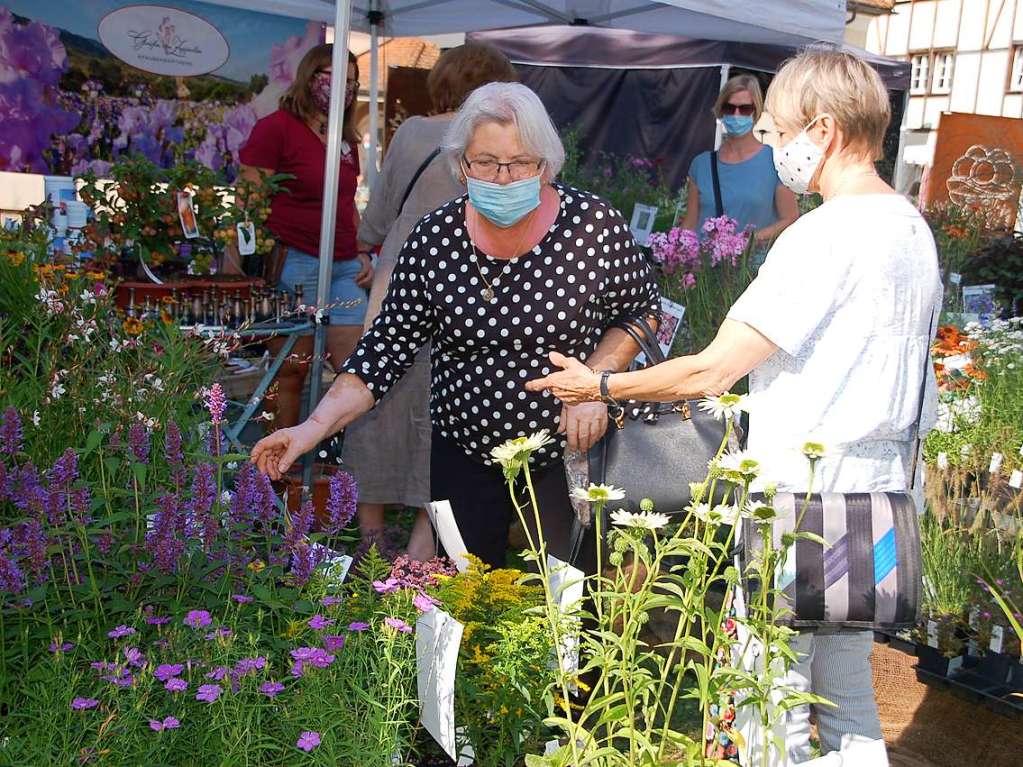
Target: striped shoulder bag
{"type": "Point", "coordinates": [868, 576]}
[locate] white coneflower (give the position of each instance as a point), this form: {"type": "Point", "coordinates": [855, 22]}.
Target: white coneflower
{"type": "Point", "coordinates": [514, 451]}
{"type": "Point", "coordinates": [645, 520]}
{"type": "Point", "coordinates": [724, 406]}
{"type": "Point", "coordinates": [598, 493]}
{"type": "Point", "coordinates": [759, 511]}
{"type": "Point", "coordinates": [738, 463]}
{"type": "Point", "coordinates": [721, 514]}
{"type": "Point", "coordinates": [814, 450]}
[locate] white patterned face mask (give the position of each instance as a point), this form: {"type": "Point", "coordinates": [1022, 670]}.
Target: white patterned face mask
{"type": "Point", "coordinates": [798, 160]}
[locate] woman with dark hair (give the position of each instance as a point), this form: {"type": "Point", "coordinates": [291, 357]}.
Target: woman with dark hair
{"type": "Point", "coordinates": [388, 449]}
{"type": "Point", "coordinates": [292, 141]}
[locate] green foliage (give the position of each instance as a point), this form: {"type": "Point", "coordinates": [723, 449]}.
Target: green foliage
{"type": "Point", "coordinates": [1000, 263]}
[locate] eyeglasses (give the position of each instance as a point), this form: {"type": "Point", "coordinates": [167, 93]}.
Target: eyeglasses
{"type": "Point", "coordinates": [737, 109]}
{"type": "Point", "coordinates": [489, 170]}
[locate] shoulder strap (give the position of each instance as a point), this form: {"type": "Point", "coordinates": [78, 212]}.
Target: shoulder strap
{"type": "Point", "coordinates": [920, 406]}
{"type": "Point", "coordinates": [719, 208]}
{"type": "Point", "coordinates": [641, 333]}
{"type": "Point", "coordinates": [415, 178]}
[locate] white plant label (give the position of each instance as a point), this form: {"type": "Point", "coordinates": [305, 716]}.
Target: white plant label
{"type": "Point", "coordinates": [965, 450]}
{"type": "Point", "coordinates": [566, 585]}
{"type": "Point", "coordinates": [942, 461]}
{"type": "Point", "coordinates": [955, 278]}
{"type": "Point", "coordinates": [438, 637]}
{"type": "Point", "coordinates": [932, 634]}
{"type": "Point", "coordinates": [996, 463]}
{"type": "Point", "coordinates": [1016, 480]}
{"type": "Point", "coordinates": [443, 519]}
{"type": "Point", "coordinates": [973, 618]}
{"type": "Point", "coordinates": [246, 238]}
{"type": "Point", "coordinates": [997, 639]}
{"type": "Point", "coordinates": [954, 664]}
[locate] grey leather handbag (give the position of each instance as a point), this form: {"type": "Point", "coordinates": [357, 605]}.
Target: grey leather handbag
{"type": "Point", "coordinates": [653, 449]}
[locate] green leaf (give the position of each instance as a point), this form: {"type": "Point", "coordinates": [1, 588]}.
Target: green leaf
{"type": "Point", "coordinates": [139, 471]}
{"type": "Point", "coordinates": [92, 441]}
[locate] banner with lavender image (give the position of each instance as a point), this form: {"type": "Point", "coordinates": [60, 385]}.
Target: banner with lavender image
{"type": "Point", "coordinates": [85, 81]}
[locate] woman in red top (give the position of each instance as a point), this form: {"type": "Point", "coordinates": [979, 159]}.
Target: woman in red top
{"type": "Point", "coordinates": [292, 140]}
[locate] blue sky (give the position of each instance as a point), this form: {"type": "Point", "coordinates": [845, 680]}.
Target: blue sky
{"type": "Point", "coordinates": [249, 34]}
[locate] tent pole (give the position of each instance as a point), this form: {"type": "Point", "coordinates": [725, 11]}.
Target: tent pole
{"type": "Point", "coordinates": [335, 119]}
{"type": "Point", "coordinates": [718, 132]}
{"type": "Point", "coordinates": [899, 176]}
{"type": "Point", "coordinates": [374, 94]}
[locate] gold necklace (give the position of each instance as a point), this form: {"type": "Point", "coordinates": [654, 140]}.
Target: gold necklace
{"type": "Point", "coordinates": [488, 292]}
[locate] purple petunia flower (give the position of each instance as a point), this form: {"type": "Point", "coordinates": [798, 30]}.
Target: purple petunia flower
{"type": "Point", "coordinates": [222, 631]}
{"type": "Point", "coordinates": [398, 624]}
{"type": "Point", "coordinates": [169, 723]}
{"type": "Point", "coordinates": [386, 587]}
{"type": "Point", "coordinates": [217, 674]}
{"type": "Point", "coordinates": [198, 619]}
{"type": "Point", "coordinates": [242, 599]}
{"type": "Point", "coordinates": [270, 689]}
{"type": "Point", "coordinates": [330, 601]}
{"type": "Point", "coordinates": [308, 740]}
{"type": "Point", "coordinates": [176, 685]}
{"type": "Point", "coordinates": [120, 678]}
{"type": "Point", "coordinates": [121, 631]}
{"type": "Point", "coordinates": [250, 665]}
{"type": "Point", "coordinates": [81, 704]}
{"type": "Point", "coordinates": [158, 620]}
{"type": "Point", "coordinates": [10, 432]}
{"type": "Point", "coordinates": [319, 623]}
{"type": "Point", "coordinates": [134, 656]}
{"type": "Point", "coordinates": [167, 671]}
{"type": "Point", "coordinates": [333, 642]}
{"type": "Point", "coordinates": [341, 502]}
{"type": "Point", "coordinates": [358, 626]}
{"type": "Point", "coordinates": [208, 693]}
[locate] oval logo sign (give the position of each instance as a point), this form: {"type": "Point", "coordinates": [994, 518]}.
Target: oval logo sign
{"type": "Point", "coordinates": [164, 41]}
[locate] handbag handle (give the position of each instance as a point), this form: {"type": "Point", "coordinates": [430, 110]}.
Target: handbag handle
{"type": "Point", "coordinates": [640, 332]}
{"type": "Point", "coordinates": [415, 178]}
{"type": "Point", "coordinates": [719, 207]}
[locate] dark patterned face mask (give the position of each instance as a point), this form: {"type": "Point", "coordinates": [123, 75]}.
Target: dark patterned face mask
{"type": "Point", "coordinates": [320, 91]}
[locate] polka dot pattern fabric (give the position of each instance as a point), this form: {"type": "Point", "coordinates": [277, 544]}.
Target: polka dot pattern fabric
{"type": "Point", "coordinates": [585, 274]}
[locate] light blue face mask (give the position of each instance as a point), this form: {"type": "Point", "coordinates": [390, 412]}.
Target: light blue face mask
{"type": "Point", "coordinates": [504, 204]}
{"type": "Point", "coordinates": [737, 125]}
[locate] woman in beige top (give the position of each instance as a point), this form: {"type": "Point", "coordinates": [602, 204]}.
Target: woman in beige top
{"type": "Point", "coordinates": [388, 449]}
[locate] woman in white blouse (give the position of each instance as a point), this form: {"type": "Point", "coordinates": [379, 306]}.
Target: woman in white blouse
{"type": "Point", "coordinates": [834, 332]}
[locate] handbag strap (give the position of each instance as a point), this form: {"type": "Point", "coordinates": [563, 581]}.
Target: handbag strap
{"type": "Point", "coordinates": [920, 406]}
{"type": "Point", "coordinates": [641, 333]}
{"type": "Point", "coordinates": [719, 207]}
{"type": "Point", "coordinates": [415, 178]}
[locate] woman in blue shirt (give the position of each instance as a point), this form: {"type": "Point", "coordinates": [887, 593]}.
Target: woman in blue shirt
{"type": "Point", "coordinates": [751, 192]}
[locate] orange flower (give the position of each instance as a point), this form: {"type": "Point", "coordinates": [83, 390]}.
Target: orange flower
{"type": "Point", "coordinates": [132, 326]}
{"type": "Point", "coordinates": [15, 257]}
{"type": "Point", "coordinates": [974, 372]}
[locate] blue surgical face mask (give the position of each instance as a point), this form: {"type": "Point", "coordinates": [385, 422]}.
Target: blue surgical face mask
{"type": "Point", "coordinates": [737, 125]}
{"type": "Point", "coordinates": [504, 204]}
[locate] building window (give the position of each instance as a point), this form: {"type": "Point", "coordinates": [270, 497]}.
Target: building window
{"type": "Point", "coordinates": [918, 76]}
{"type": "Point", "coordinates": [1016, 75]}
{"type": "Point", "coordinates": [944, 63]}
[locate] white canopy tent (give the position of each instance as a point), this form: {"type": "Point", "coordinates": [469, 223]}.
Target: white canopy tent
{"type": "Point", "coordinates": [779, 22]}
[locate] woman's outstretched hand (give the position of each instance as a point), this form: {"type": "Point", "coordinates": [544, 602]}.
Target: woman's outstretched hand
{"type": "Point", "coordinates": [275, 453]}
{"type": "Point", "coordinates": [575, 382]}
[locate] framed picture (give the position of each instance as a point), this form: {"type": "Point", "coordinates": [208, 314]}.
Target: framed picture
{"type": "Point", "coordinates": [671, 320]}
{"type": "Point", "coordinates": [642, 223]}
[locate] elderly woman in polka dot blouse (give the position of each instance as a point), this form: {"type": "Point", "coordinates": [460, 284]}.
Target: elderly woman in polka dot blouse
{"type": "Point", "coordinates": [520, 267]}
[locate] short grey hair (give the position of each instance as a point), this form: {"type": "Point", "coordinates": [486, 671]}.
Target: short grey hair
{"type": "Point", "coordinates": [506, 103]}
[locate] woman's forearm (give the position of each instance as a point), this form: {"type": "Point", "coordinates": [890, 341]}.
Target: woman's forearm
{"type": "Point", "coordinates": [615, 351]}
{"type": "Point", "coordinates": [346, 400]}
{"type": "Point", "coordinates": [677, 379]}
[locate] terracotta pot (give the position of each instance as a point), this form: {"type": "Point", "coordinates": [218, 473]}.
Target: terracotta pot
{"type": "Point", "coordinates": [292, 485]}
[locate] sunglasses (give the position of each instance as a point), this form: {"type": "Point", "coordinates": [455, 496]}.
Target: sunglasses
{"type": "Point", "coordinates": [737, 109]}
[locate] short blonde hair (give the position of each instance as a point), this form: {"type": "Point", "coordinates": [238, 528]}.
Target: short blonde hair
{"type": "Point", "coordinates": [741, 83]}
{"type": "Point", "coordinates": [818, 81]}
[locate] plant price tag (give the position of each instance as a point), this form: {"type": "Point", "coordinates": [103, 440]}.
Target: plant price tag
{"type": "Point", "coordinates": [997, 639]}
{"type": "Point", "coordinates": [932, 634]}
{"type": "Point", "coordinates": [996, 463]}
{"type": "Point", "coordinates": [942, 461]}
{"type": "Point", "coordinates": [246, 238]}
{"type": "Point", "coordinates": [438, 637]}
{"type": "Point", "coordinates": [566, 585]}
{"type": "Point", "coordinates": [954, 664]}
{"type": "Point", "coordinates": [955, 278]}
{"type": "Point", "coordinates": [1016, 480]}
{"type": "Point", "coordinates": [443, 519]}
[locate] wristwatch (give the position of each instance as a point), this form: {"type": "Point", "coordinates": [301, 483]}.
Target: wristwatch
{"type": "Point", "coordinates": [605, 394]}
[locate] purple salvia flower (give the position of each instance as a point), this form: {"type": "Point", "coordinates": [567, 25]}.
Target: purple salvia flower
{"type": "Point", "coordinates": [26, 490]}
{"type": "Point", "coordinates": [172, 444]}
{"type": "Point", "coordinates": [204, 493]}
{"type": "Point", "coordinates": [301, 526]}
{"type": "Point", "coordinates": [10, 432]}
{"type": "Point", "coordinates": [304, 560]}
{"type": "Point", "coordinates": [216, 403]}
{"type": "Point", "coordinates": [12, 580]}
{"type": "Point", "coordinates": [240, 514]}
{"type": "Point", "coordinates": [34, 540]}
{"type": "Point", "coordinates": [105, 542]}
{"type": "Point", "coordinates": [341, 502]}
{"type": "Point", "coordinates": [64, 471]}
{"type": "Point", "coordinates": [264, 507]}
{"type": "Point", "coordinates": [166, 541]}
{"type": "Point", "coordinates": [139, 442]}
{"type": "Point", "coordinates": [81, 501]}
